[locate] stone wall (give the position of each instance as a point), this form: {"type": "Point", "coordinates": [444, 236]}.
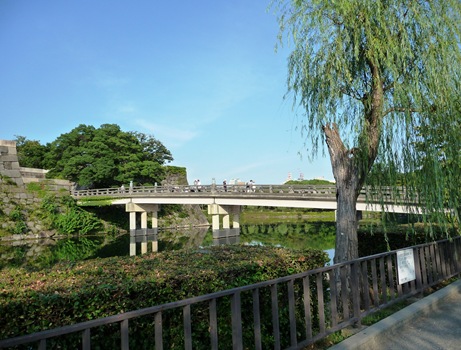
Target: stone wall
{"type": "Point", "coordinates": [17, 204]}
{"type": "Point", "coordinates": [17, 208]}
{"type": "Point", "coordinates": [11, 169]}
{"type": "Point", "coordinates": [9, 164]}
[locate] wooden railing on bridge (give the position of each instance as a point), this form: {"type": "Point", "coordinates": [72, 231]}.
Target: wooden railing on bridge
{"type": "Point", "coordinates": [394, 195]}
{"type": "Point", "coordinates": [329, 191]}
{"type": "Point", "coordinates": [289, 312]}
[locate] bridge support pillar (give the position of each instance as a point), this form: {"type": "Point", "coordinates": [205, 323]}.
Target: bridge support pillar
{"type": "Point", "coordinates": [226, 221]}
{"type": "Point", "coordinates": [134, 208]}
{"type": "Point", "coordinates": [215, 210]}
{"type": "Point", "coordinates": [132, 221]}
{"type": "Point", "coordinates": [143, 209]}
{"type": "Point", "coordinates": [236, 217]}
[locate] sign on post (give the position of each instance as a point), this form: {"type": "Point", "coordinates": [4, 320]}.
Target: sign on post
{"type": "Point", "coordinates": [406, 265]}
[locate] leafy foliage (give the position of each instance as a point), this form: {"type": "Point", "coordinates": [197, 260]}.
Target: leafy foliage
{"type": "Point", "coordinates": [64, 215]}
{"type": "Point", "coordinates": [442, 161]}
{"type": "Point", "coordinates": [31, 153]}
{"type": "Point", "coordinates": [18, 217]}
{"type": "Point", "coordinates": [98, 157]}
{"type": "Point", "coordinates": [368, 75]}
{"type": "Point", "coordinates": [31, 301]}
{"type": "Point", "coordinates": [309, 182]}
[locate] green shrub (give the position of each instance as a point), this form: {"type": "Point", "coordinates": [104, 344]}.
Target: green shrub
{"type": "Point", "coordinates": [8, 180]}
{"type": "Point", "coordinates": [31, 301]}
{"type": "Point", "coordinates": [16, 214]}
{"type": "Point", "coordinates": [39, 188]}
{"type": "Point", "coordinates": [68, 218]}
{"type": "Point", "coordinates": [50, 204]}
{"type": "Point", "coordinates": [20, 228]}
{"type": "Point", "coordinates": [77, 220]}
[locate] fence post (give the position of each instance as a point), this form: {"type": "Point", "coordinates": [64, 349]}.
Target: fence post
{"type": "Point", "coordinates": [419, 281]}
{"type": "Point", "coordinates": [158, 331]}
{"type": "Point", "coordinates": [355, 270]}
{"type": "Point", "coordinates": [236, 315]}
{"type": "Point", "coordinates": [275, 316]}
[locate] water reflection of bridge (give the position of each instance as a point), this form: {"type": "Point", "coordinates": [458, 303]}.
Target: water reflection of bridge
{"type": "Point", "coordinates": [146, 240]}
{"type": "Point", "coordinates": [224, 204]}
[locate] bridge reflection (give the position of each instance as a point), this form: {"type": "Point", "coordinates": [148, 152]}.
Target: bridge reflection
{"type": "Point", "coordinates": [225, 204]}
{"type": "Point", "coordinates": [144, 238]}
{"type": "Point", "coordinates": [144, 241]}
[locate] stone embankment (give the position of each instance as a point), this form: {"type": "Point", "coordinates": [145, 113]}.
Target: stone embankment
{"type": "Point", "coordinates": [19, 204]}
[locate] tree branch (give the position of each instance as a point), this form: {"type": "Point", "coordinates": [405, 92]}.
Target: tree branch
{"type": "Point", "coordinates": [401, 110]}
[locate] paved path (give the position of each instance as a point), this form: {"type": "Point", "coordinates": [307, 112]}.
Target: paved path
{"type": "Point", "coordinates": [433, 322]}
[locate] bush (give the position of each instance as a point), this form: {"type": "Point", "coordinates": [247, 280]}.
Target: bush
{"type": "Point", "coordinates": [32, 301]}
{"type": "Point", "coordinates": [68, 218]}
{"type": "Point", "coordinates": [16, 214]}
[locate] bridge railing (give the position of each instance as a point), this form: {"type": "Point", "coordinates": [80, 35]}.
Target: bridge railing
{"type": "Point", "coordinates": [385, 195]}
{"type": "Point", "coordinates": [216, 189]}
{"type": "Point", "coordinates": [289, 312]}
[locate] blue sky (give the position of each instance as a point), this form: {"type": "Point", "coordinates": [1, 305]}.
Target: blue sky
{"type": "Point", "coordinates": [201, 76]}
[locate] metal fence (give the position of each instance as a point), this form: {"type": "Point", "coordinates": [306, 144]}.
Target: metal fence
{"type": "Point", "coordinates": [285, 313]}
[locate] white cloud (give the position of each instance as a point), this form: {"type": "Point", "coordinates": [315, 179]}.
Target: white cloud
{"type": "Point", "coordinates": [126, 108]}
{"type": "Point", "coordinates": [171, 136]}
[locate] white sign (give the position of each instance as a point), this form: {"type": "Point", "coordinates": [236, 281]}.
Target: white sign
{"type": "Point", "coordinates": [406, 265]}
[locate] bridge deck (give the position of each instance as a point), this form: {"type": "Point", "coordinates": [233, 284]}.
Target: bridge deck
{"type": "Point", "coordinates": [297, 196]}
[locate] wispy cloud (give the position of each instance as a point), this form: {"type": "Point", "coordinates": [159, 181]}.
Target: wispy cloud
{"type": "Point", "coordinates": [105, 79]}
{"type": "Point", "coordinates": [171, 136]}
{"type": "Point", "coordinates": [245, 168]}
{"type": "Point", "coordinates": [126, 108]}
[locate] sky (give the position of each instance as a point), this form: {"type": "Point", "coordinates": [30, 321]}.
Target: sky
{"type": "Point", "coordinates": [203, 77]}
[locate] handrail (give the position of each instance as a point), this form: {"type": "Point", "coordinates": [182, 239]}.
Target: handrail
{"type": "Point", "coordinates": [387, 195]}
{"type": "Point", "coordinates": [311, 304]}
{"type": "Point", "coordinates": [193, 189]}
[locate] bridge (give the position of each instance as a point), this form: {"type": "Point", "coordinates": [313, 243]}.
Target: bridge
{"type": "Point", "coordinates": [226, 201]}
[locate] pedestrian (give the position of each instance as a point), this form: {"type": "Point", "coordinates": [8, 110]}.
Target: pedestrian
{"type": "Point", "coordinates": [131, 187]}
{"type": "Point", "coordinates": [122, 188]}
{"type": "Point", "coordinates": [224, 185]}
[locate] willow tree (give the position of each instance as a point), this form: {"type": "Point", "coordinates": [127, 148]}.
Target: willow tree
{"type": "Point", "coordinates": [366, 75]}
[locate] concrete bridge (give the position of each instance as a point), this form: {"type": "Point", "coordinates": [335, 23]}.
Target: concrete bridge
{"type": "Point", "coordinates": [226, 202]}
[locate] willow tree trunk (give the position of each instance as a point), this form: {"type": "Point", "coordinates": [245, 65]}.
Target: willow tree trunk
{"type": "Point", "coordinates": [351, 166]}
{"type": "Point", "coordinates": [348, 186]}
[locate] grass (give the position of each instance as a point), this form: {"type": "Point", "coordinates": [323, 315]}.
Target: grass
{"type": "Point", "coordinates": [250, 216]}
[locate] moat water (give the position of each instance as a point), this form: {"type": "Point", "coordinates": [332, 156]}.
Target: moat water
{"type": "Point", "coordinates": [46, 252]}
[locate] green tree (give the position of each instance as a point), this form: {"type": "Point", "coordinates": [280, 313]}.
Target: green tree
{"type": "Point", "coordinates": [441, 160]}
{"type": "Point", "coordinates": [366, 74]}
{"type": "Point", "coordinates": [153, 149]}
{"type": "Point", "coordinates": [31, 153]}
{"type": "Point", "coordinates": [106, 156]}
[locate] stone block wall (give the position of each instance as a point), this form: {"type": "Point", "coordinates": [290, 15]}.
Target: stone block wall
{"type": "Point", "coordinates": [9, 164]}
{"type": "Point", "coordinates": [10, 167]}
{"type": "Point", "coordinates": [16, 201]}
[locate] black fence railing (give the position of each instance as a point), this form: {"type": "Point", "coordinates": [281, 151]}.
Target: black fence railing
{"type": "Point", "coordinates": [289, 312]}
